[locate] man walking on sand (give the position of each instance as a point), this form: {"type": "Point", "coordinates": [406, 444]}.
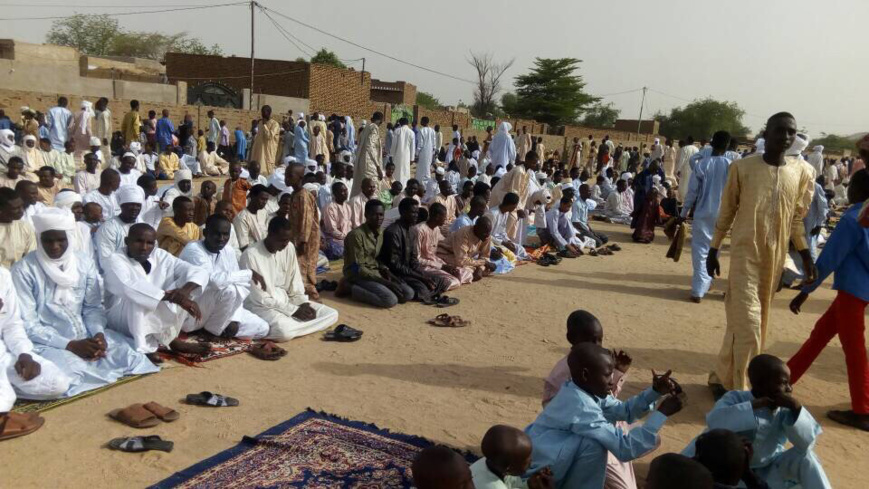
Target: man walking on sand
{"type": "Point", "coordinates": [764, 201]}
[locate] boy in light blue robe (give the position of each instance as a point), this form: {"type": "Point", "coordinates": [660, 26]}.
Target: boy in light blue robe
{"type": "Point", "coordinates": [769, 417]}
{"type": "Point", "coordinates": [575, 430]}
{"type": "Point", "coordinates": [300, 143]}
{"type": "Point", "coordinates": [61, 305]}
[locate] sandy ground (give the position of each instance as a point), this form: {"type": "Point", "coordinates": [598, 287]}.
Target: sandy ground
{"type": "Point", "coordinates": [447, 385]}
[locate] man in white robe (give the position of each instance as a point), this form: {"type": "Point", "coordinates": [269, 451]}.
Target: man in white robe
{"type": "Point", "coordinates": [104, 195]}
{"type": "Point", "coordinates": [23, 373]}
{"type": "Point", "coordinates": [61, 305]}
{"type": "Point", "coordinates": [502, 152]}
{"type": "Point", "coordinates": [227, 287]}
{"type": "Point", "coordinates": [281, 299]}
{"type": "Point", "coordinates": [148, 293]}
{"type": "Point", "coordinates": [81, 238]}
{"type": "Point", "coordinates": [683, 167]}
{"type": "Point", "coordinates": [426, 145]}
{"type": "Point", "coordinates": [211, 162]}
{"type": "Point", "coordinates": [503, 235]}
{"type": "Point", "coordinates": [183, 186]}
{"type": "Point", "coordinates": [109, 238]}
{"type": "Point", "coordinates": [403, 151]}
{"type": "Point", "coordinates": [251, 223]}
{"type": "Point", "coordinates": [127, 170]}
{"type": "Point", "coordinates": [816, 159]}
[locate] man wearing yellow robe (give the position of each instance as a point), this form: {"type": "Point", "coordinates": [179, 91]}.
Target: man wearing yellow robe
{"type": "Point", "coordinates": [265, 144]}
{"type": "Point", "coordinates": [763, 205]}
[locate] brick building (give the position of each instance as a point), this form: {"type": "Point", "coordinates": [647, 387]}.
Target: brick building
{"type": "Point", "coordinates": [396, 93]}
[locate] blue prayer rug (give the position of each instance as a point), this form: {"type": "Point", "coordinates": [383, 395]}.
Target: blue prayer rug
{"type": "Point", "coordinates": [310, 450]}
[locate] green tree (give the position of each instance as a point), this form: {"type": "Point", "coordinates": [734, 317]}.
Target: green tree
{"type": "Point", "coordinates": [552, 92]}
{"type": "Point", "coordinates": [601, 115]}
{"type": "Point", "coordinates": [701, 118]}
{"type": "Point", "coordinates": [90, 34]}
{"type": "Point", "coordinates": [428, 101]}
{"type": "Point", "coordinates": [326, 57]}
{"type": "Point", "coordinates": [836, 143]}
{"type": "Point", "coordinates": [100, 35]}
{"type": "Point", "coordinates": [508, 103]}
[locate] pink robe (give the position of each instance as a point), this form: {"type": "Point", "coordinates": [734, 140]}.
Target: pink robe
{"type": "Point", "coordinates": [428, 240]}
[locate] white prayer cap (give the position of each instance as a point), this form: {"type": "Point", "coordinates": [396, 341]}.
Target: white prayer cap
{"type": "Point", "coordinates": [566, 185]}
{"type": "Point", "coordinates": [345, 153]}
{"type": "Point", "coordinates": [541, 174]}
{"type": "Point", "coordinates": [53, 219]}
{"type": "Point", "coordinates": [312, 187]}
{"type": "Point", "coordinates": [656, 178]}
{"type": "Point", "coordinates": [128, 155]}
{"type": "Point", "coordinates": [66, 198]}
{"type": "Point", "coordinates": [95, 141]}
{"type": "Point", "coordinates": [130, 194]}
{"type": "Point", "coordinates": [289, 159]}
{"type": "Point", "coordinates": [301, 115]}
{"type": "Point", "coordinates": [439, 171]}
{"type": "Point", "coordinates": [136, 147]}
{"type": "Point", "coordinates": [288, 191]}
{"type": "Point", "coordinates": [245, 174]}
{"type": "Point", "coordinates": [625, 176]}
{"type": "Point", "coordinates": [182, 175]}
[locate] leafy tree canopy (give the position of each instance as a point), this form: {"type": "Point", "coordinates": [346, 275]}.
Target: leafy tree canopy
{"type": "Point", "coordinates": [101, 35]}
{"type": "Point", "coordinates": [552, 92]}
{"type": "Point", "coordinates": [428, 100]}
{"type": "Point", "coordinates": [701, 118]}
{"type": "Point", "coordinates": [326, 57]}
{"type": "Point", "coordinates": [601, 115]}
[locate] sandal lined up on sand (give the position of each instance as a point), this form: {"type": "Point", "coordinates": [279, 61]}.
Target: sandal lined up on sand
{"type": "Point", "coordinates": [267, 351]}
{"type": "Point", "coordinates": [144, 415]}
{"type": "Point", "coordinates": [136, 444]}
{"type": "Point", "coordinates": [209, 399]}
{"type": "Point", "coordinates": [447, 321]}
{"type": "Point", "coordinates": [444, 301]}
{"type": "Point", "coordinates": [343, 334]}
{"type": "Point", "coordinates": [13, 425]}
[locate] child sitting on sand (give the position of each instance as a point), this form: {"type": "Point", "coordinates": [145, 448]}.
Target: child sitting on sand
{"type": "Point", "coordinates": [769, 417]}
{"type": "Point", "coordinates": [674, 471]}
{"type": "Point", "coordinates": [584, 327]}
{"type": "Point", "coordinates": [574, 432]}
{"type": "Point", "coordinates": [506, 457]}
{"type": "Point", "coordinates": [439, 467]}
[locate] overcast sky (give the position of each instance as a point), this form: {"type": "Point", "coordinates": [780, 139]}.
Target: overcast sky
{"type": "Point", "coordinates": [803, 56]}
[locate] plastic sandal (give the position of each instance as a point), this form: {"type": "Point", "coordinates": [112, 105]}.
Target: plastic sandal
{"type": "Point", "coordinates": [267, 351]}
{"type": "Point", "coordinates": [343, 334]}
{"type": "Point", "coordinates": [135, 444]}
{"type": "Point", "coordinates": [208, 399]}
{"type": "Point", "coordinates": [444, 301]}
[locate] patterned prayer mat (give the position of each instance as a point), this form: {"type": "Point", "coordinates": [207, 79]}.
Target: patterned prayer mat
{"type": "Point", "coordinates": [310, 450]}
{"type": "Point", "coordinates": [24, 406]}
{"type": "Point", "coordinates": [221, 349]}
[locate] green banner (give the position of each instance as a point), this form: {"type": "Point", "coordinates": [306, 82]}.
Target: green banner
{"type": "Point", "coordinates": [399, 111]}
{"type": "Point", "coordinates": [482, 124]}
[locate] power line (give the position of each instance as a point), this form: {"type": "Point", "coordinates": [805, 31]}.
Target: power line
{"type": "Point", "coordinates": [66, 5]}
{"type": "Point", "coordinates": [284, 34]}
{"type": "Point", "coordinates": [321, 31]}
{"type": "Point", "coordinates": [287, 32]}
{"type": "Point", "coordinates": [620, 93]}
{"type": "Point", "coordinates": [141, 12]}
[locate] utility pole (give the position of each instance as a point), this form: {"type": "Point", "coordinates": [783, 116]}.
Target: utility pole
{"type": "Point", "coordinates": [253, 6]}
{"type": "Point", "coordinates": [362, 75]}
{"type": "Point", "coordinates": [642, 103]}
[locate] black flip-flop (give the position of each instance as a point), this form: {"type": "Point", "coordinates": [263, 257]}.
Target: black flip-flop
{"type": "Point", "coordinates": [444, 301]}
{"type": "Point", "coordinates": [135, 444]}
{"type": "Point", "coordinates": [208, 399]}
{"type": "Point", "coordinates": [343, 334]}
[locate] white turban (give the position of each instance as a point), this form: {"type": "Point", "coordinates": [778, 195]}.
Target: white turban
{"type": "Point", "coordinates": [95, 141]}
{"type": "Point", "coordinates": [29, 137]}
{"type": "Point", "coordinates": [136, 147]}
{"type": "Point", "coordinates": [541, 175]}
{"type": "Point", "coordinates": [301, 116]}
{"type": "Point", "coordinates": [801, 142]}
{"type": "Point", "coordinates": [656, 178]}
{"type": "Point", "coordinates": [182, 175]}
{"type": "Point", "coordinates": [62, 271]}
{"type": "Point", "coordinates": [65, 199]}
{"type": "Point", "coordinates": [7, 139]}
{"type": "Point", "coordinates": [626, 176]}
{"type": "Point", "coordinates": [311, 187]}
{"type": "Point", "coordinates": [128, 155]}
{"type": "Point", "coordinates": [277, 181]}
{"type": "Point", "coordinates": [542, 195]}
{"type": "Point", "coordinates": [130, 194]}
{"type": "Point", "coordinates": [439, 171]}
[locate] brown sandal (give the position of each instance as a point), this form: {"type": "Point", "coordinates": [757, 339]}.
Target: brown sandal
{"type": "Point", "coordinates": [136, 416]}
{"type": "Point", "coordinates": [13, 425]}
{"type": "Point", "coordinates": [267, 351]}
{"type": "Point", "coordinates": [447, 321]}
{"type": "Point", "coordinates": [165, 414]}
